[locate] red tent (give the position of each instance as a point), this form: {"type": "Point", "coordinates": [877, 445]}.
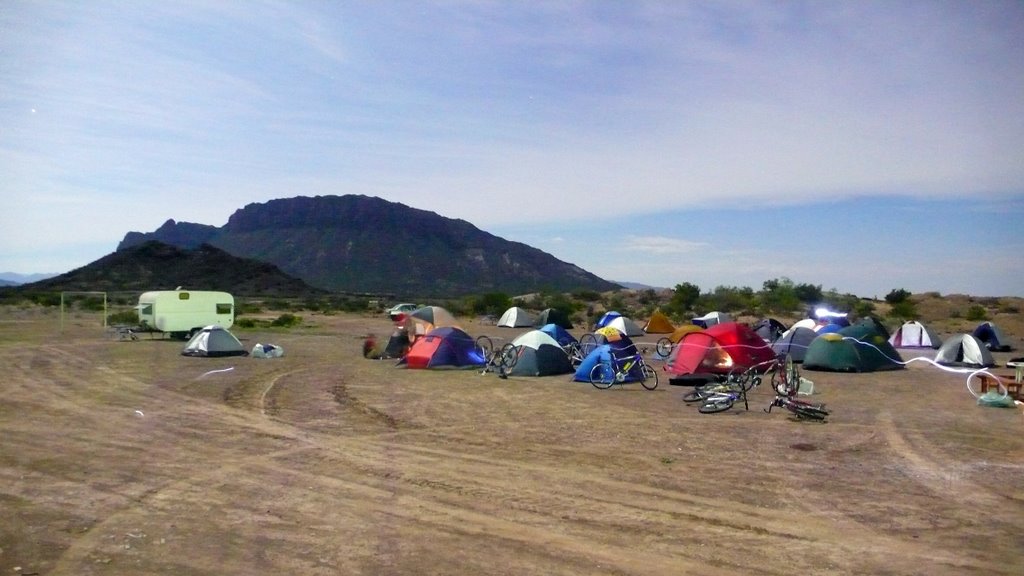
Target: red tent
{"type": "Point", "coordinates": [444, 347]}
{"type": "Point", "coordinates": [718, 350]}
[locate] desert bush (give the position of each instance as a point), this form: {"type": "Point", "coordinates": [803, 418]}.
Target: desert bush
{"type": "Point", "coordinates": [123, 317]}
{"type": "Point", "coordinates": [864, 308]}
{"type": "Point", "coordinates": [248, 308]}
{"type": "Point", "coordinates": [904, 310]}
{"type": "Point", "coordinates": [977, 313]}
{"type": "Point", "coordinates": [286, 320]}
{"type": "Point", "coordinates": [895, 296]}
{"type": "Point", "coordinates": [491, 303]}
{"type": "Point", "coordinates": [587, 295]}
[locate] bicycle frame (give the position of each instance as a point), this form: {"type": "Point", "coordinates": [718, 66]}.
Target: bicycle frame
{"type": "Point", "coordinates": [786, 383]}
{"type": "Point", "coordinates": [620, 368]}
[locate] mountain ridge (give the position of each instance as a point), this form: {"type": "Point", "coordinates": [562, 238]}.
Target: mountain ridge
{"type": "Point", "coordinates": [155, 265]}
{"type": "Point", "coordinates": [358, 243]}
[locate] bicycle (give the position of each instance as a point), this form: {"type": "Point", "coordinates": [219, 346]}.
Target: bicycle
{"type": "Point", "coordinates": [663, 347]}
{"type": "Point", "coordinates": [501, 360]}
{"type": "Point", "coordinates": [786, 382]}
{"type": "Point", "coordinates": [575, 353]}
{"type": "Point", "coordinates": [604, 375]}
{"type": "Point", "coordinates": [721, 396]}
{"type": "Point", "coordinates": [718, 396]}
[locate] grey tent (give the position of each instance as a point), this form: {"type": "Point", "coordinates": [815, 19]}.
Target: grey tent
{"type": "Point", "coordinates": [794, 342]}
{"type": "Point", "coordinates": [553, 316]}
{"type": "Point", "coordinates": [964, 350]}
{"type": "Point", "coordinates": [214, 341]}
{"type": "Point", "coordinates": [539, 355]}
{"type": "Point", "coordinates": [515, 317]}
{"type": "Point", "coordinates": [992, 337]}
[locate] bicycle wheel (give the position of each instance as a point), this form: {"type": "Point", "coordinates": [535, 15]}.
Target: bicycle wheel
{"type": "Point", "coordinates": [650, 377]}
{"type": "Point", "coordinates": [485, 346]}
{"type": "Point", "coordinates": [716, 404]}
{"type": "Point", "coordinates": [587, 344]}
{"type": "Point", "coordinates": [663, 348]}
{"type": "Point", "coordinates": [602, 376]}
{"type": "Point", "coordinates": [508, 356]}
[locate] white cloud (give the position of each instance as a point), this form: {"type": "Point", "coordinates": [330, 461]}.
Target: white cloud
{"type": "Point", "coordinates": [659, 245]}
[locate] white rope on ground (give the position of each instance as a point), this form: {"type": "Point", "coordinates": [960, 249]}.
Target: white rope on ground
{"type": "Point", "coordinates": [971, 372]}
{"type": "Point", "coordinates": [205, 374]}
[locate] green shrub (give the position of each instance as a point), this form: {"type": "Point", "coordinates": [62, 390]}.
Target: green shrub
{"type": "Point", "coordinates": [123, 317]}
{"type": "Point", "coordinates": [245, 323]}
{"type": "Point", "coordinates": [976, 313]}
{"type": "Point", "coordinates": [248, 308]}
{"type": "Point", "coordinates": [904, 310]}
{"type": "Point", "coordinates": [895, 296]}
{"type": "Point", "coordinates": [864, 308]}
{"type": "Point", "coordinates": [286, 320]}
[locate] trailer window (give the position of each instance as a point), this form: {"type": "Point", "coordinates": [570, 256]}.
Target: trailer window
{"type": "Point", "coordinates": [223, 308]}
{"type": "Point", "coordinates": [146, 310]}
{"type": "Point", "coordinates": [182, 295]}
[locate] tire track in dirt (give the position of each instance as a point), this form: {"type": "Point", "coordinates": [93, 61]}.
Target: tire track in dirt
{"type": "Point", "coordinates": [932, 475]}
{"type": "Point", "coordinates": [872, 542]}
{"type": "Point", "coordinates": [625, 526]}
{"type": "Point", "coordinates": [627, 507]}
{"type": "Point", "coordinates": [432, 493]}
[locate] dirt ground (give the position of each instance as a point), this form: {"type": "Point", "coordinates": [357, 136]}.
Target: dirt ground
{"type": "Point", "coordinates": [124, 457]}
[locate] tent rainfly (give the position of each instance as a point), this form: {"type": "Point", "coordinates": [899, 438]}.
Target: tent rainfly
{"type": "Point", "coordinates": [515, 317]}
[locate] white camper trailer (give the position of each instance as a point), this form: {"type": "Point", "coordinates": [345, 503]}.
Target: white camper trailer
{"type": "Point", "coordinates": [185, 312]}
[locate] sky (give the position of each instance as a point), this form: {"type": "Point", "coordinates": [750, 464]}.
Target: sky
{"type": "Point", "coordinates": [859, 146]}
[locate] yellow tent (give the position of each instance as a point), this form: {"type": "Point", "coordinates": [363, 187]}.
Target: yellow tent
{"type": "Point", "coordinates": [659, 324]}
{"type": "Point", "coordinates": [683, 330]}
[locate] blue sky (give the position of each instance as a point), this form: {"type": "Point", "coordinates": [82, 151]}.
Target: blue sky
{"type": "Point", "coordinates": [861, 146]}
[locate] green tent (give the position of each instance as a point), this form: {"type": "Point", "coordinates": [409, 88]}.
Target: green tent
{"type": "Point", "coordinates": [858, 348]}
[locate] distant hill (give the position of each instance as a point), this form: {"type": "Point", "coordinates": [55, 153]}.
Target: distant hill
{"type": "Point", "coordinates": [365, 244]}
{"type": "Point", "coordinates": [158, 266]}
{"type": "Point", "coordinates": [14, 279]}
{"type": "Point", "coordinates": [638, 286]}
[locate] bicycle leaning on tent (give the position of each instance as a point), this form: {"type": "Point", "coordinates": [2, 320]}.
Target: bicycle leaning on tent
{"type": "Point", "coordinates": [603, 375]}
{"type": "Point", "coordinates": [501, 360]}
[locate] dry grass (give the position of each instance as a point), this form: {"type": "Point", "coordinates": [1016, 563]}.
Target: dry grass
{"type": "Point", "coordinates": [123, 458]}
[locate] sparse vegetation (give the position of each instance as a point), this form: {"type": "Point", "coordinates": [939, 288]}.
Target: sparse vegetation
{"type": "Point", "coordinates": [286, 321]}
{"type": "Point", "coordinates": [127, 317]}
{"type": "Point", "coordinates": [976, 313]}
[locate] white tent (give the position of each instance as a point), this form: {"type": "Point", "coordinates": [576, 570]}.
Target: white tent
{"type": "Point", "coordinates": [214, 341]}
{"type": "Point", "coordinates": [914, 334]}
{"type": "Point", "coordinates": [515, 317]}
{"type": "Point", "coordinates": [964, 350]}
{"type": "Point", "coordinates": [626, 326]}
{"type": "Point", "coordinates": [711, 318]}
{"type": "Point", "coordinates": [805, 323]}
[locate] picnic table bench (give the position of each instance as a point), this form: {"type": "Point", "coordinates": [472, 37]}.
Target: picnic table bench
{"type": "Point", "coordinates": [1010, 382]}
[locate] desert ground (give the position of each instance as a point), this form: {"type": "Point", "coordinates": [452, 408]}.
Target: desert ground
{"type": "Point", "coordinates": [124, 457]}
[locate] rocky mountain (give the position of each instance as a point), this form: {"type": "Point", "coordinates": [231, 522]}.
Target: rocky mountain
{"type": "Point", "coordinates": [366, 244]}
{"type": "Point", "coordinates": [155, 265]}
